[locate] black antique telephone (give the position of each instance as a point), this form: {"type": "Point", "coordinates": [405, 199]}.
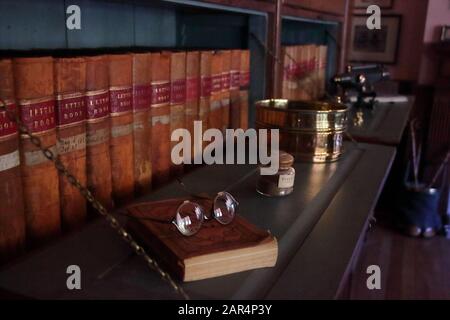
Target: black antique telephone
{"type": "Point", "coordinates": [360, 79]}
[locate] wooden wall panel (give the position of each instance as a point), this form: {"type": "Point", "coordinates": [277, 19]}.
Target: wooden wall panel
{"type": "Point", "coordinates": [336, 7]}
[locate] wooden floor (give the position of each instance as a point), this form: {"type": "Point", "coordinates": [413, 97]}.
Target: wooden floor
{"type": "Point", "coordinates": [410, 268]}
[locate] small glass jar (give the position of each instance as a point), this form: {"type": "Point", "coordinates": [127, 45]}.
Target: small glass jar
{"type": "Point", "coordinates": [281, 183]}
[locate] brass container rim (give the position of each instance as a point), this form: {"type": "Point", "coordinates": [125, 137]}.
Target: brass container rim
{"type": "Point", "coordinates": [266, 125]}
{"type": "Point", "coordinates": [302, 106]}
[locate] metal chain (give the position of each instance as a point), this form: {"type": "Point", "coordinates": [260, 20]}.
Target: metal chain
{"type": "Point", "coordinates": [87, 194]}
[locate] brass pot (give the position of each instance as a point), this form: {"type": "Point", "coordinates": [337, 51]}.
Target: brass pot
{"type": "Point", "coordinates": [309, 130]}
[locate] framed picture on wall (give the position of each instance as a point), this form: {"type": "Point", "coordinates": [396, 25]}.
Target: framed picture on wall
{"type": "Point", "coordinates": [383, 4]}
{"type": "Point", "coordinates": [377, 45]}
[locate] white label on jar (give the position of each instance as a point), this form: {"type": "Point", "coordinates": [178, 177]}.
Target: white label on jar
{"type": "Point", "coordinates": [286, 181]}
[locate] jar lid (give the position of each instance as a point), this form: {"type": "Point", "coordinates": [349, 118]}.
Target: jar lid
{"type": "Point", "coordinates": [286, 159]}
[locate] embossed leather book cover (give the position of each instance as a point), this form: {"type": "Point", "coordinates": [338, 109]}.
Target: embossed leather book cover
{"type": "Point", "coordinates": [98, 130]}
{"type": "Point", "coordinates": [142, 122]}
{"type": "Point", "coordinates": [70, 89]}
{"type": "Point", "coordinates": [192, 94]}
{"type": "Point", "coordinates": [244, 87]}
{"type": "Point", "coordinates": [215, 250]}
{"type": "Point", "coordinates": [235, 73]}
{"type": "Point", "coordinates": [177, 100]}
{"type": "Point", "coordinates": [160, 111]}
{"type": "Point", "coordinates": [12, 214]}
{"type": "Point", "coordinates": [205, 91]}
{"type": "Point", "coordinates": [121, 111]}
{"type": "Point", "coordinates": [33, 78]}
{"type": "Point", "coordinates": [226, 78]}
{"type": "Point", "coordinates": [215, 109]}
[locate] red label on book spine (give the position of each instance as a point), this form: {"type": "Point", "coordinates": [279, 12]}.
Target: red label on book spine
{"type": "Point", "coordinates": [70, 109]}
{"type": "Point", "coordinates": [235, 79]}
{"type": "Point", "coordinates": [216, 83]}
{"type": "Point", "coordinates": [142, 97]}
{"type": "Point", "coordinates": [97, 104]}
{"type": "Point", "coordinates": [206, 84]}
{"type": "Point", "coordinates": [7, 126]}
{"type": "Point", "coordinates": [245, 79]}
{"type": "Point", "coordinates": [192, 89]}
{"type": "Point", "coordinates": [38, 116]}
{"type": "Point", "coordinates": [120, 100]}
{"type": "Point", "coordinates": [226, 78]}
{"type": "Point", "coordinates": [178, 92]}
{"type": "Point", "coordinates": [160, 93]}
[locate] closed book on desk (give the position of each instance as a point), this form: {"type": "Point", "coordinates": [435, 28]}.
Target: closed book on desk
{"type": "Point", "coordinates": [215, 250]}
{"type": "Point", "coordinates": [177, 102]}
{"type": "Point", "coordinates": [12, 214]}
{"type": "Point", "coordinates": [244, 87]}
{"type": "Point", "coordinates": [192, 94]}
{"type": "Point", "coordinates": [142, 122]}
{"type": "Point", "coordinates": [33, 79]}
{"type": "Point", "coordinates": [98, 130]}
{"type": "Point", "coordinates": [235, 73]}
{"type": "Point", "coordinates": [121, 144]}
{"type": "Point", "coordinates": [70, 89]}
{"type": "Point", "coordinates": [160, 112]}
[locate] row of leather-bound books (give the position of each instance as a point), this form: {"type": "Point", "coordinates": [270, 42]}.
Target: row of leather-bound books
{"type": "Point", "coordinates": [109, 119]}
{"type": "Point", "coordinates": [304, 72]}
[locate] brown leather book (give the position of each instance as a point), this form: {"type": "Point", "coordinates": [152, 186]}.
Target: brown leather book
{"type": "Point", "coordinates": [215, 108]}
{"type": "Point", "coordinates": [160, 111]}
{"type": "Point", "coordinates": [302, 73]}
{"type": "Point", "coordinates": [33, 79]}
{"type": "Point", "coordinates": [235, 73]}
{"type": "Point", "coordinates": [192, 94]}
{"type": "Point", "coordinates": [12, 213]}
{"type": "Point", "coordinates": [70, 88]}
{"type": "Point", "coordinates": [226, 78]}
{"type": "Point", "coordinates": [142, 122]}
{"type": "Point", "coordinates": [310, 71]}
{"type": "Point", "coordinates": [323, 51]}
{"type": "Point", "coordinates": [215, 250]}
{"type": "Point", "coordinates": [121, 144]}
{"type": "Point", "coordinates": [177, 101]}
{"type": "Point", "coordinates": [244, 87]}
{"type": "Point", "coordinates": [98, 130]}
{"type": "Point", "coordinates": [286, 74]}
{"type": "Point", "coordinates": [205, 95]}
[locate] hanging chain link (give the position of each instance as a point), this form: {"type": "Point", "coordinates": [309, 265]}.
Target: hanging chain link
{"type": "Point", "coordinates": [87, 194]}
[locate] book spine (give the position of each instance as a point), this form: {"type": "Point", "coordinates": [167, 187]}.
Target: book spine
{"type": "Point", "coordinates": [302, 71]}
{"type": "Point", "coordinates": [322, 69]}
{"type": "Point", "coordinates": [177, 100]}
{"type": "Point", "coordinates": [192, 96]}
{"type": "Point", "coordinates": [98, 130]}
{"type": "Point", "coordinates": [121, 144]}
{"type": "Point", "coordinates": [33, 79]}
{"type": "Point", "coordinates": [235, 72]}
{"type": "Point", "coordinates": [215, 108]}
{"type": "Point", "coordinates": [12, 214]}
{"type": "Point", "coordinates": [226, 79]}
{"type": "Point", "coordinates": [142, 122]}
{"type": "Point", "coordinates": [160, 112]}
{"type": "Point", "coordinates": [244, 87]}
{"type": "Point", "coordinates": [205, 93]}
{"type": "Point", "coordinates": [310, 66]}
{"type": "Point", "coordinates": [70, 88]}
{"type": "Point", "coordinates": [286, 73]}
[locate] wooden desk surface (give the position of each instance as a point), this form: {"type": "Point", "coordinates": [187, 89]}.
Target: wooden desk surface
{"type": "Point", "coordinates": [318, 228]}
{"type": "Point", "coordinates": [384, 124]}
